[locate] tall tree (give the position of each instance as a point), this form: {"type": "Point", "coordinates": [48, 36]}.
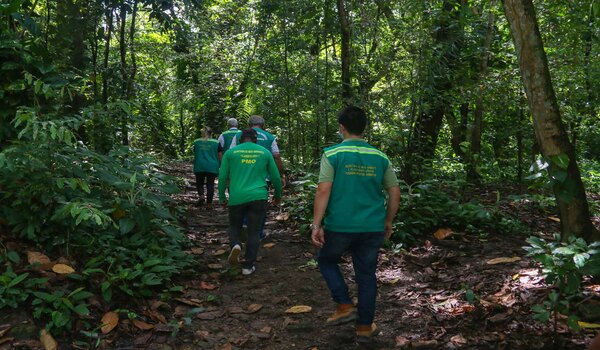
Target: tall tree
{"type": "Point", "coordinates": [346, 51]}
{"type": "Point", "coordinates": [547, 123]}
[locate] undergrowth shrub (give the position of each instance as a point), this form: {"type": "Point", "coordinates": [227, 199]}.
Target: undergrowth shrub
{"type": "Point", "coordinates": [110, 215]}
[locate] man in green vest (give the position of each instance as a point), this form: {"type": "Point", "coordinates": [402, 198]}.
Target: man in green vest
{"type": "Point", "coordinates": [246, 167]}
{"type": "Point", "coordinates": [227, 137]}
{"type": "Point", "coordinates": [350, 214]}
{"type": "Point", "coordinates": [206, 165]}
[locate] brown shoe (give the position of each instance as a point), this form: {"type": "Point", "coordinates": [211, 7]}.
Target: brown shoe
{"type": "Point", "coordinates": [343, 314]}
{"type": "Point", "coordinates": [365, 333]}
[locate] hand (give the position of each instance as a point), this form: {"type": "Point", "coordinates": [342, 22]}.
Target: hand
{"type": "Point", "coordinates": [389, 229]}
{"type": "Point", "coordinates": [283, 181]}
{"type": "Point", "coordinates": [318, 237]}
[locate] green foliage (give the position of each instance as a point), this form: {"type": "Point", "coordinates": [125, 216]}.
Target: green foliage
{"type": "Point", "coordinates": [564, 264]}
{"type": "Point", "coordinates": [428, 206]}
{"type": "Point", "coordinates": [60, 308]}
{"type": "Point", "coordinates": [16, 288]}
{"type": "Point", "coordinates": [300, 203]}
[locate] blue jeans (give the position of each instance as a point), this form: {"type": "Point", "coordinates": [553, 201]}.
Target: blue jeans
{"type": "Point", "coordinates": [364, 248]}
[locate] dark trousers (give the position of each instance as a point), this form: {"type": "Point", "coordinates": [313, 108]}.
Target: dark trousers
{"type": "Point", "coordinates": [364, 248]}
{"type": "Point", "coordinates": [254, 212]}
{"type": "Point", "coordinates": [209, 178]}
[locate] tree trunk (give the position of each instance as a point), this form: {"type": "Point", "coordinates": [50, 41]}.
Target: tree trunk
{"type": "Point", "coordinates": [345, 31]}
{"type": "Point", "coordinates": [109, 20]}
{"type": "Point", "coordinates": [124, 75]}
{"type": "Point", "coordinates": [547, 123]}
{"type": "Point", "coordinates": [472, 172]}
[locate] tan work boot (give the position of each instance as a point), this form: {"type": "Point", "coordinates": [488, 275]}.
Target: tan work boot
{"type": "Point", "coordinates": [343, 314]}
{"type": "Point", "coordinates": [365, 333]}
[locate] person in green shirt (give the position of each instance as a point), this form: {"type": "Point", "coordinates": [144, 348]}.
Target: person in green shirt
{"type": "Point", "coordinates": [206, 166]}
{"type": "Point", "coordinates": [227, 137]}
{"type": "Point", "coordinates": [246, 167]}
{"type": "Point", "coordinates": [350, 214]}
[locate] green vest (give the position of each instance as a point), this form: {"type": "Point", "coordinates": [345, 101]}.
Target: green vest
{"type": "Point", "coordinates": [228, 137]}
{"type": "Point", "coordinates": [263, 138]}
{"type": "Point", "coordinates": [206, 156]}
{"type": "Point", "coordinates": [357, 201]}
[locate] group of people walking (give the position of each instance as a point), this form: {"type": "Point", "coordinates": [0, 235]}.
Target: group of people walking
{"type": "Point", "coordinates": [355, 203]}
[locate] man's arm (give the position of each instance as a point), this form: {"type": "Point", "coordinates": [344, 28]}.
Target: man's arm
{"type": "Point", "coordinates": [275, 177]}
{"type": "Point", "coordinates": [223, 177]}
{"type": "Point", "coordinates": [321, 201]}
{"type": "Point", "coordinates": [279, 163]}
{"type": "Point", "coordinates": [392, 208]}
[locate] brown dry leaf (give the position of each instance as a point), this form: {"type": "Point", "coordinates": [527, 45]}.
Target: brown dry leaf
{"type": "Point", "coordinates": [298, 309]}
{"type": "Point", "coordinates": [62, 269]}
{"type": "Point", "coordinates": [6, 340]}
{"type": "Point", "coordinates": [458, 339]}
{"type": "Point", "coordinates": [37, 257]}
{"type": "Point", "coordinates": [401, 341]}
{"type": "Point", "coordinates": [109, 321]}
{"type": "Point", "coordinates": [207, 286]}
{"type": "Point", "coordinates": [157, 304]}
{"type": "Point", "coordinates": [190, 302]}
{"type": "Point", "coordinates": [266, 329]}
{"type": "Point", "coordinates": [268, 245]}
{"type": "Point", "coordinates": [215, 266]}
{"type": "Point", "coordinates": [155, 316]}
{"type": "Point", "coordinates": [143, 339]}
{"type": "Point", "coordinates": [503, 260]}
{"type": "Point", "coordinates": [142, 325]}
{"type": "Point", "coordinates": [219, 252]}
{"type": "Point", "coordinates": [554, 218]}
{"type": "Point", "coordinates": [48, 341]}
{"type": "Point", "coordinates": [424, 344]}
{"type": "Point", "coordinates": [226, 346]}
{"type": "Point", "coordinates": [235, 310]}
{"type": "Point", "coordinates": [428, 245]}
{"type": "Point", "coordinates": [210, 315]}
{"type": "Point", "coordinates": [314, 348]}
{"type": "Point", "coordinates": [443, 233]}
{"type": "Point", "coordinates": [197, 251]}
{"type": "Point", "coordinates": [252, 308]}
{"type": "Point", "coordinates": [282, 217]}
{"type": "Point", "coordinates": [3, 332]}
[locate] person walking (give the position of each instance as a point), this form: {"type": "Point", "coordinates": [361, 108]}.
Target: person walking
{"type": "Point", "coordinates": [206, 166]}
{"type": "Point", "coordinates": [350, 215]}
{"type": "Point", "coordinates": [227, 137]}
{"type": "Point", "coordinates": [246, 167]}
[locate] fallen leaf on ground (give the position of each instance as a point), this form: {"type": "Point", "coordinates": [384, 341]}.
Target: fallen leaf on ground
{"type": "Point", "coordinates": [37, 257]}
{"type": "Point", "coordinates": [219, 252]}
{"type": "Point", "coordinates": [443, 233]}
{"type": "Point", "coordinates": [210, 315]}
{"type": "Point", "coordinates": [424, 344]}
{"type": "Point", "coordinates": [554, 218]}
{"type": "Point", "coordinates": [190, 302]}
{"type": "Point", "coordinates": [62, 269]}
{"type": "Point", "coordinates": [268, 245]}
{"type": "Point", "coordinates": [6, 340]}
{"type": "Point", "coordinates": [142, 325]}
{"type": "Point", "coordinates": [226, 346]}
{"type": "Point", "coordinates": [157, 304]}
{"type": "Point", "coordinates": [401, 341]}
{"type": "Point", "coordinates": [298, 309]}
{"type": "Point", "coordinates": [197, 251]}
{"type": "Point", "coordinates": [282, 217]}
{"type": "Point", "coordinates": [207, 286]}
{"type": "Point", "coordinates": [109, 321]}
{"type": "Point", "coordinates": [143, 339]}
{"type": "Point", "coordinates": [48, 341]}
{"type": "Point", "coordinates": [588, 325]}
{"type": "Point", "coordinates": [458, 339]}
{"type": "Point", "coordinates": [3, 332]}
{"type": "Point", "coordinates": [252, 308]}
{"type": "Point", "coordinates": [502, 260]}
{"type": "Point", "coordinates": [154, 315]}
{"type": "Point", "coordinates": [266, 329]}
{"type": "Point", "coordinates": [215, 266]}
{"type": "Point", "coordinates": [235, 310]}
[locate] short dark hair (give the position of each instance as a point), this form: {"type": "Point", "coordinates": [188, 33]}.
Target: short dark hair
{"type": "Point", "coordinates": [248, 135]}
{"type": "Point", "coordinates": [354, 119]}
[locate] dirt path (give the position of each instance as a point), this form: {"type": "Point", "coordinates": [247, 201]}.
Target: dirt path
{"type": "Point", "coordinates": [421, 304]}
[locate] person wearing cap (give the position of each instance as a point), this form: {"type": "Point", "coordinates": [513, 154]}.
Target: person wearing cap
{"type": "Point", "coordinates": [206, 166]}
{"type": "Point", "coordinates": [247, 166]}
{"type": "Point", "coordinates": [227, 137]}
{"type": "Point", "coordinates": [350, 215]}
{"type": "Point", "coordinates": [265, 139]}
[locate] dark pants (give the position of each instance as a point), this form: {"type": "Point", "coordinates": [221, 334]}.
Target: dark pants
{"type": "Point", "coordinates": [201, 177]}
{"type": "Point", "coordinates": [254, 212]}
{"type": "Point", "coordinates": [364, 248]}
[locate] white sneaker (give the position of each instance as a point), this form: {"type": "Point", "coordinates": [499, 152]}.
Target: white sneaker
{"type": "Point", "coordinates": [234, 255]}
{"type": "Point", "coordinates": [248, 271]}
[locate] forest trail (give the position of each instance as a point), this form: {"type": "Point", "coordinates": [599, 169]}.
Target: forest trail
{"type": "Point", "coordinates": [422, 302]}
